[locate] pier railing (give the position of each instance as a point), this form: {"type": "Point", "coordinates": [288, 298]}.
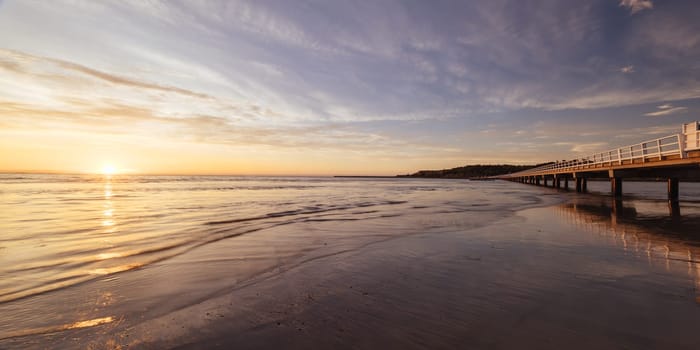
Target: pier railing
{"type": "Point", "coordinates": [691, 131]}
{"type": "Point", "coordinates": [657, 149]}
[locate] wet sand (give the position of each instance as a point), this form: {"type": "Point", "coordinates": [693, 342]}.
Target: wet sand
{"type": "Point", "coordinates": [564, 276]}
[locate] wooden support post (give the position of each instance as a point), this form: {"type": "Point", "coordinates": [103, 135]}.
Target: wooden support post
{"type": "Point", "coordinates": [673, 192]}
{"type": "Point", "coordinates": [578, 184]}
{"type": "Point", "coordinates": [544, 178]}
{"type": "Point", "coordinates": [617, 207]}
{"type": "Point", "coordinates": [616, 186]}
{"type": "Point", "coordinates": [566, 183]}
{"type": "Point", "coordinates": [584, 185]}
{"type": "Point", "coordinates": [537, 180]}
{"type": "Point", "coordinates": [557, 182]}
{"type": "Point", "coordinates": [674, 209]}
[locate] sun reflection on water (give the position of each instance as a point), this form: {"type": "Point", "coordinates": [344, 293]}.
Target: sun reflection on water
{"type": "Point", "coordinates": [115, 269]}
{"type": "Point", "coordinates": [108, 221]}
{"type": "Point", "coordinates": [105, 256]}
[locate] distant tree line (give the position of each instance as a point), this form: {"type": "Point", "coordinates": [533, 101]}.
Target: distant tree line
{"type": "Point", "coordinates": [472, 171]}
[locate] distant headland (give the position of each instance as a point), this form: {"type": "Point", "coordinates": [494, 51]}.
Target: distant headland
{"type": "Point", "coordinates": [471, 171]}
{"type": "Point", "coordinates": [464, 172]}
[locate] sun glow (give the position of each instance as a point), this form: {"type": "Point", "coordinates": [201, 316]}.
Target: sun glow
{"type": "Point", "coordinates": [108, 169]}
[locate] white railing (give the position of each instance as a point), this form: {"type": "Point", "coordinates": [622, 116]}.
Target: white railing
{"type": "Point", "coordinates": [644, 151]}
{"type": "Point", "coordinates": [692, 136]}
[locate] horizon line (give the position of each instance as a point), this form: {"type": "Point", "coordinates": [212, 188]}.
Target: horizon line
{"type": "Point", "coordinates": [48, 172]}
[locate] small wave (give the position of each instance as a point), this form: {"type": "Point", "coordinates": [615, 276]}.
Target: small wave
{"type": "Point", "coordinates": [364, 212]}
{"type": "Point", "coordinates": [305, 211]}
{"type": "Point", "coordinates": [325, 220]}
{"type": "Point", "coordinates": [14, 178]}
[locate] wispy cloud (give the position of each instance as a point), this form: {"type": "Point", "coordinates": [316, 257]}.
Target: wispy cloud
{"type": "Point", "coordinates": [627, 69]}
{"type": "Point", "coordinates": [589, 147]}
{"type": "Point", "coordinates": [637, 5]}
{"type": "Point", "coordinates": [665, 109]}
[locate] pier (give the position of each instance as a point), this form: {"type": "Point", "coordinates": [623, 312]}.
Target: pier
{"type": "Point", "coordinates": [673, 158]}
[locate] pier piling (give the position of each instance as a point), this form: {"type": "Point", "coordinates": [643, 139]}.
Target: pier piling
{"type": "Point", "coordinates": [673, 192]}
{"type": "Point", "coordinates": [616, 186]}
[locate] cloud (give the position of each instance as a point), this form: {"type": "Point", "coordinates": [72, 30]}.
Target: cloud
{"type": "Point", "coordinates": [66, 85]}
{"type": "Point", "coordinates": [330, 61]}
{"type": "Point", "coordinates": [637, 5]}
{"type": "Point", "coordinates": [665, 109]}
{"type": "Point", "coordinates": [116, 119]}
{"type": "Point", "coordinates": [627, 69]}
{"type": "Point", "coordinates": [18, 57]}
{"type": "Point", "coordinates": [588, 147]}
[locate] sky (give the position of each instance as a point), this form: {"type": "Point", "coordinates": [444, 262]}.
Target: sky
{"type": "Point", "coordinates": [338, 87]}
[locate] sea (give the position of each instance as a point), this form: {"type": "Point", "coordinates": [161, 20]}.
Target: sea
{"type": "Point", "coordinates": [109, 252]}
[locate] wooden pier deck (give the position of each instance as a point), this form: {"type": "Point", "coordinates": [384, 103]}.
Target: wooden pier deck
{"type": "Point", "coordinates": [673, 158]}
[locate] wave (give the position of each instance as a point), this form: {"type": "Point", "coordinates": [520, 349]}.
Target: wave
{"type": "Point", "coordinates": [75, 267]}
{"type": "Point", "coordinates": [305, 211]}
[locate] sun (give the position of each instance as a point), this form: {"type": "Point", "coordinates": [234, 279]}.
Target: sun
{"type": "Point", "coordinates": [108, 169]}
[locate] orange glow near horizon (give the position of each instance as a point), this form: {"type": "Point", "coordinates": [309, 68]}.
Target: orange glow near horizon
{"type": "Point", "coordinates": [43, 151]}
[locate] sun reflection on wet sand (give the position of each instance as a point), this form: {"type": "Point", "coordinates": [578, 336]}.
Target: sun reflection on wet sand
{"type": "Point", "coordinates": [53, 329]}
{"type": "Point", "coordinates": [91, 323]}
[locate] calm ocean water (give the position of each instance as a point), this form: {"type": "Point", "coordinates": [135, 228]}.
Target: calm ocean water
{"type": "Point", "coordinates": [82, 250]}
{"type": "Point", "coordinates": [62, 231]}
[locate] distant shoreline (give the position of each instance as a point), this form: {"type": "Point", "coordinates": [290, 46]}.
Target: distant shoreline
{"type": "Point", "coordinates": [368, 176]}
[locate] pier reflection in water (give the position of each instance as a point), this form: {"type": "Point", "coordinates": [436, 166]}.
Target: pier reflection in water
{"type": "Point", "coordinates": [662, 237]}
